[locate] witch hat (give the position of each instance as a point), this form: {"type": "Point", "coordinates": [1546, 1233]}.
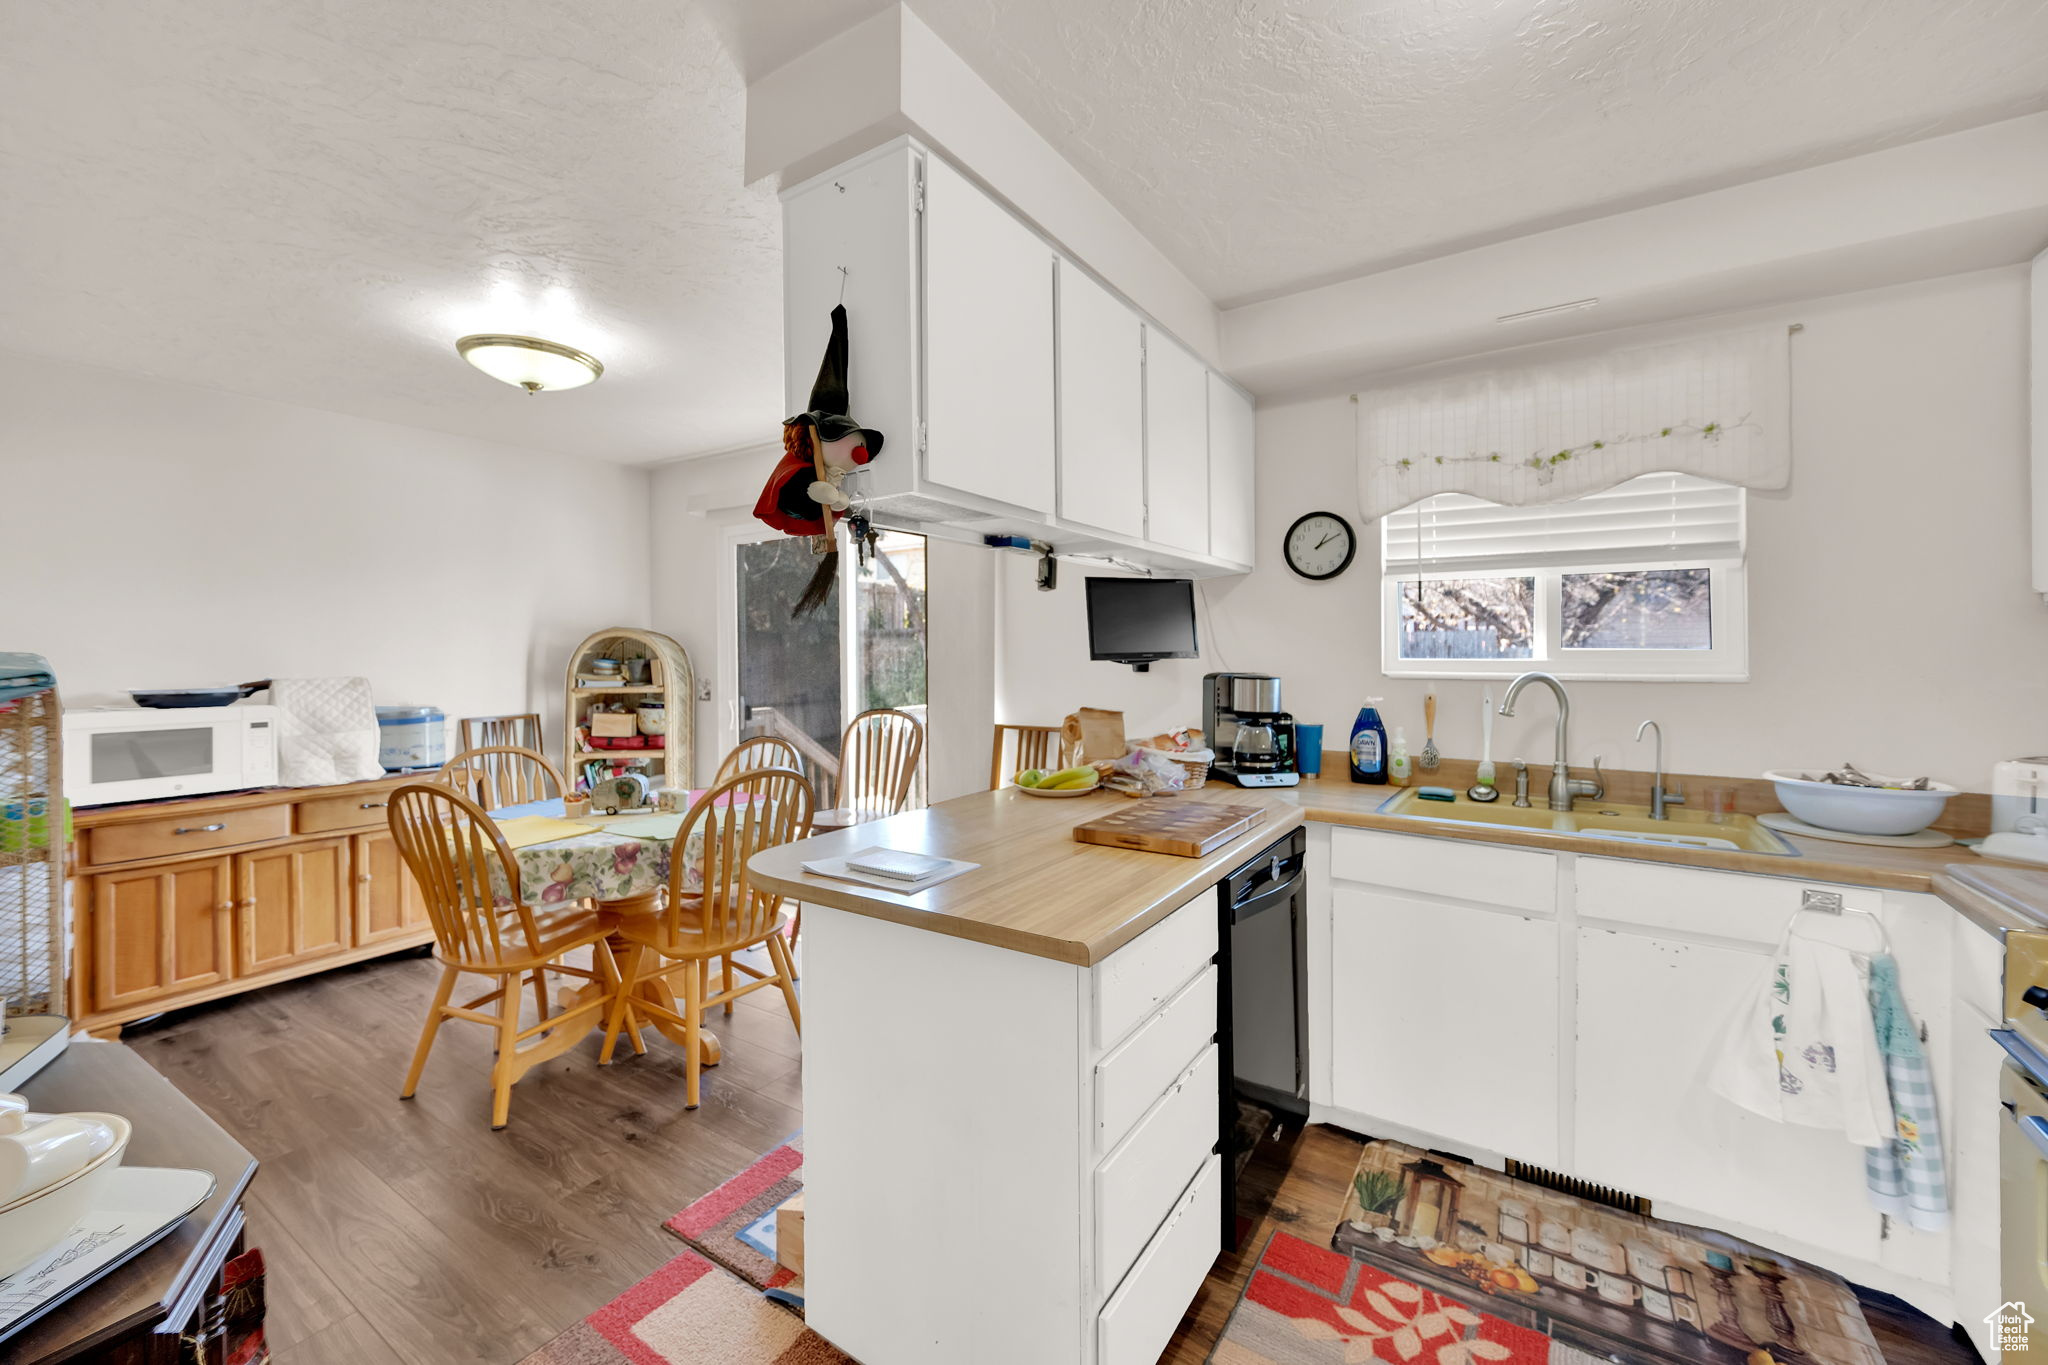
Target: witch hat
{"type": "Point", "coordinates": [828, 407]}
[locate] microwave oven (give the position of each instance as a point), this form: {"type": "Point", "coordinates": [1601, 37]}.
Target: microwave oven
{"type": "Point", "coordinates": [130, 753]}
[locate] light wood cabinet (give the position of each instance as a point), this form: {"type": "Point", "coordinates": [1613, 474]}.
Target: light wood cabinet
{"type": "Point", "coordinates": [1101, 407]}
{"type": "Point", "coordinates": [159, 931]}
{"type": "Point", "coordinates": [388, 903]}
{"type": "Point", "coordinates": [293, 903]}
{"type": "Point", "coordinates": [164, 919]}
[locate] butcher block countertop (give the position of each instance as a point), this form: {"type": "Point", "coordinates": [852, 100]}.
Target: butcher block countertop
{"type": "Point", "coordinates": [1039, 891]}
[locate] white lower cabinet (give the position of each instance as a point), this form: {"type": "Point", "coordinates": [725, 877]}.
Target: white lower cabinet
{"type": "Point", "coordinates": [1650, 1012]}
{"type": "Point", "coordinates": [1562, 1010]}
{"type": "Point", "coordinates": [1444, 1019]}
{"type": "Point", "coordinates": [1138, 1321]}
{"type": "Point", "coordinates": [1059, 1124]}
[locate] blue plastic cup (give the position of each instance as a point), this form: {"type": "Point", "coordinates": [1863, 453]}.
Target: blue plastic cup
{"type": "Point", "coordinates": [1308, 749]}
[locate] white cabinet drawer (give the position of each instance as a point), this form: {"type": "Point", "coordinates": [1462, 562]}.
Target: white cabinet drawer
{"type": "Point", "coordinates": [1515, 878]}
{"type": "Point", "coordinates": [1139, 977]}
{"type": "Point", "coordinates": [1130, 1079]}
{"type": "Point", "coordinates": [1694, 901]}
{"type": "Point", "coordinates": [1136, 1185]}
{"type": "Point", "coordinates": [1139, 1319]}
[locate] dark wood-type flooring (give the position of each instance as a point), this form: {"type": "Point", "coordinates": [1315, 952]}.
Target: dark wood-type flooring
{"type": "Point", "coordinates": [410, 1232]}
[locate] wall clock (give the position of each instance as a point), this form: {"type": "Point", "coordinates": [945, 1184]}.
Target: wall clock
{"type": "Point", "coordinates": [1320, 545]}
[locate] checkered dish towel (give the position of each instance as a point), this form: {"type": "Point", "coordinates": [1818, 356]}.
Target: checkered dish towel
{"type": "Point", "coordinates": [1906, 1176]}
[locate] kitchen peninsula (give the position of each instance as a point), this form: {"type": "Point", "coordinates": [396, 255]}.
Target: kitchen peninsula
{"type": "Point", "coordinates": [1041, 1182]}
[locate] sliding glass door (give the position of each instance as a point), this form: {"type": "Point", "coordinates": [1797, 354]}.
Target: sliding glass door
{"type": "Point", "coordinates": [802, 679]}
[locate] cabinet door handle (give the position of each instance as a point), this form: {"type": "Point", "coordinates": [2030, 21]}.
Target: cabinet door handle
{"type": "Point", "coordinates": [373, 805]}
{"type": "Point", "coordinates": [199, 829]}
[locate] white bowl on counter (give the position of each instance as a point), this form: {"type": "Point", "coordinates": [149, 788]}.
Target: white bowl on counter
{"type": "Point", "coordinates": [1859, 810]}
{"type": "Point", "coordinates": [32, 1224]}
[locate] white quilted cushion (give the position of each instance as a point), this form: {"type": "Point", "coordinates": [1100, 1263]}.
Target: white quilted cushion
{"type": "Point", "coordinates": [326, 731]}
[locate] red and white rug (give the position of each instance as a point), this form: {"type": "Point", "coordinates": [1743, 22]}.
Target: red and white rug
{"type": "Point", "coordinates": [690, 1312]}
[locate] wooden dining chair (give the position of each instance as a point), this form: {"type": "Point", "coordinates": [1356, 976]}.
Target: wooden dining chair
{"type": "Point", "coordinates": [726, 914]}
{"type": "Point", "coordinates": [878, 761]}
{"type": "Point", "coordinates": [482, 925]}
{"type": "Point", "coordinates": [482, 732]}
{"type": "Point", "coordinates": [499, 775]}
{"type": "Point", "coordinates": [1036, 746]}
{"type": "Point", "coordinates": [761, 751]}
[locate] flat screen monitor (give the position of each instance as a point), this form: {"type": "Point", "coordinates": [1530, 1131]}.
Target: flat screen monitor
{"type": "Point", "coordinates": [1136, 620]}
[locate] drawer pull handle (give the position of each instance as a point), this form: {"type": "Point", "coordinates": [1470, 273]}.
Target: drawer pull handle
{"type": "Point", "coordinates": [199, 829]}
{"type": "Point", "coordinates": [373, 805]}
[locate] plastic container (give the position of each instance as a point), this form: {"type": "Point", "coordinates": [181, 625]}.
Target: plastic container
{"type": "Point", "coordinates": [411, 737]}
{"type": "Point", "coordinates": [1399, 766]}
{"type": "Point", "coordinates": [1859, 810]}
{"type": "Point", "coordinates": [1369, 745]}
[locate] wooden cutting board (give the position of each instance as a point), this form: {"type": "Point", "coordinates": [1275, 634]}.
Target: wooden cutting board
{"type": "Point", "coordinates": [1182, 828]}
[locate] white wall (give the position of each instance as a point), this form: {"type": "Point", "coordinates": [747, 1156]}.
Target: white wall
{"type": "Point", "coordinates": [161, 535]}
{"type": "Point", "coordinates": [1891, 619]}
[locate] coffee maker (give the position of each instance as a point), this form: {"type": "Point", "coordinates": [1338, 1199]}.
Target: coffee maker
{"type": "Point", "coordinates": [1252, 738]}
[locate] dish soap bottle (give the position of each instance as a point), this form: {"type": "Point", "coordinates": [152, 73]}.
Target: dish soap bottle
{"type": "Point", "coordinates": [1369, 745]}
{"type": "Point", "coordinates": [1398, 767]}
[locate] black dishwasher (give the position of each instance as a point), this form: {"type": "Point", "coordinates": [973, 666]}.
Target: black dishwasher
{"type": "Point", "coordinates": [1262, 1012]}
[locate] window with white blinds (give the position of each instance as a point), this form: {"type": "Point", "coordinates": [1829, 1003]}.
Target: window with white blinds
{"type": "Point", "coordinates": [1641, 580]}
{"type": "Point", "coordinates": [1656, 518]}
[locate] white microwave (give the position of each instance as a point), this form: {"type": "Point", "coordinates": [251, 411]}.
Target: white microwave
{"type": "Point", "coordinates": [132, 753]}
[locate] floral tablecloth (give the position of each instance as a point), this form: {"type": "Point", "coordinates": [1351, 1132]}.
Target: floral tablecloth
{"type": "Point", "coordinates": [601, 865]}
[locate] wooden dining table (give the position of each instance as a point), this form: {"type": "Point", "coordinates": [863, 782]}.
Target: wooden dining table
{"type": "Point", "coordinates": [622, 867]}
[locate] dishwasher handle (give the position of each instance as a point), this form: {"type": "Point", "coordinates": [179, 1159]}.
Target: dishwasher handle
{"type": "Point", "coordinates": [1268, 895]}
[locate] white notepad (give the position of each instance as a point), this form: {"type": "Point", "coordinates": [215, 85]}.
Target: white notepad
{"type": "Point", "coordinates": [894, 864]}
{"type": "Point", "coordinates": [842, 869]}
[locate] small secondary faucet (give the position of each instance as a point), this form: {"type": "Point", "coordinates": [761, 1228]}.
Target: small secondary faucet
{"type": "Point", "coordinates": [1563, 786]}
{"type": "Point", "coordinates": [1659, 798]}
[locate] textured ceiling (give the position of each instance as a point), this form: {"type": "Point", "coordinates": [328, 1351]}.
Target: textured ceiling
{"type": "Point", "coordinates": [310, 202]}
{"type": "Point", "coordinates": [1265, 145]}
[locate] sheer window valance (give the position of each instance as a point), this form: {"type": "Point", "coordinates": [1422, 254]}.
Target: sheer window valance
{"type": "Point", "coordinates": [1716, 406]}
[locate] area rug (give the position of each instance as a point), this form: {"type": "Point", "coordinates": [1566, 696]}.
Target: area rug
{"type": "Point", "coordinates": [1436, 1260]}
{"type": "Point", "coordinates": [734, 1225]}
{"type": "Point", "coordinates": [690, 1312]}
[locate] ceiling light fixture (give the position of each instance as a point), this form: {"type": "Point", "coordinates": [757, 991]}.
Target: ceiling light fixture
{"type": "Point", "coordinates": [1574, 306]}
{"type": "Point", "coordinates": [529, 362]}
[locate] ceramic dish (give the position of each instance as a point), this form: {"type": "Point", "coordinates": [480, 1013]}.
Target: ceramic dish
{"type": "Point", "coordinates": [1061, 791]}
{"type": "Point", "coordinates": [1859, 810]}
{"type": "Point", "coordinates": [35, 1221]}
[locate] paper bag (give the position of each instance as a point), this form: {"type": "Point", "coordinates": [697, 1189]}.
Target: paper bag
{"type": "Point", "coordinates": [1096, 736]}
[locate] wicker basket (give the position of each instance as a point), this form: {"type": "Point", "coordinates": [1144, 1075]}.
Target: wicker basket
{"type": "Point", "coordinates": [1197, 770]}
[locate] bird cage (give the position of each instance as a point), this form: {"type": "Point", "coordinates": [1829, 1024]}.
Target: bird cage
{"type": "Point", "coordinates": [32, 838]}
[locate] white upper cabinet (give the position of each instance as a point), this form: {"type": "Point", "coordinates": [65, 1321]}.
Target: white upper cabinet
{"type": "Point", "coordinates": [1101, 407]}
{"type": "Point", "coordinates": [1016, 393]}
{"type": "Point", "coordinates": [988, 347]}
{"type": "Point", "coordinates": [1232, 528]}
{"type": "Point", "coordinates": [1176, 445]}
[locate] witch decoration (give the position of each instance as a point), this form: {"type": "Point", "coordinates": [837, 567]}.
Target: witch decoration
{"type": "Point", "coordinates": [820, 447]}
